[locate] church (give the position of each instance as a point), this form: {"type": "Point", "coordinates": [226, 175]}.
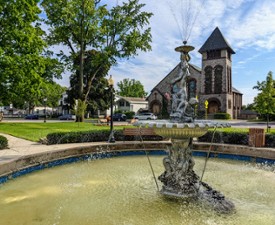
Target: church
{"type": "Point", "coordinates": [211, 84]}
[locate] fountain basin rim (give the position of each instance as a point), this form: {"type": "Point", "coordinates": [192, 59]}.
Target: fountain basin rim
{"type": "Point", "coordinates": [19, 166]}
{"type": "Point", "coordinates": [170, 124]}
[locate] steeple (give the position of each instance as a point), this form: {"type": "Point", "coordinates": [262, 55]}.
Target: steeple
{"type": "Point", "coordinates": [216, 41]}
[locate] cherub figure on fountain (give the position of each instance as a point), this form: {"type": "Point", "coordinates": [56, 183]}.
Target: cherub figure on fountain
{"type": "Point", "coordinates": [182, 110]}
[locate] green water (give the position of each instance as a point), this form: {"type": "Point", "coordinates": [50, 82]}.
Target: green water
{"type": "Point", "coordinates": [122, 191]}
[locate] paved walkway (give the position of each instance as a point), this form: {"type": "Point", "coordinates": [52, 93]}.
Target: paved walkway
{"type": "Point", "coordinates": [20, 147]}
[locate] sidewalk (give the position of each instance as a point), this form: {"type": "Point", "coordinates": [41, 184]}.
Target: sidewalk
{"type": "Point", "coordinates": [18, 147]}
{"type": "Point", "coordinates": [24, 156]}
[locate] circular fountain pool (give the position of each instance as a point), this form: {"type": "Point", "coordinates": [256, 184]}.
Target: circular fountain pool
{"type": "Point", "coordinates": [121, 190]}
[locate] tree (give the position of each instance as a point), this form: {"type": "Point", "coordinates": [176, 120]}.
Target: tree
{"type": "Point", "coordinates": [265, 100]}
{"type": "Point", "coordinates": [250, 106]}
{"type": "Point", "coordinates": [52, 92]}
{"type": "Point", "coordinates": [79, 107]}
{"type": "Point", "coordinates": [82, 25]}
{"type": "Point", "coordinates": [98, 97]}
{"type": "Point", "coordinates": [23, 61]}
{"type": "Point", "coordinates": [131, 88]}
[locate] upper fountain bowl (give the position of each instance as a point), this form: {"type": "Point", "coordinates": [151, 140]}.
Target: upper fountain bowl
{"type": "Point", "coordinates": [174, 130]}
{"type": "Point", "coordinates": [184, 48]}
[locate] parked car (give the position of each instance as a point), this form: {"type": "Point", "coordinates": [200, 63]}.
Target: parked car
{"type": "Point", "coordinates": [145, 116]}
{"type": "Point", "coordinates": [119, 117]}
{"type": "Point", "coordinates": [67, 117]}
{"type": "Point", "coordinates": [32, 117]}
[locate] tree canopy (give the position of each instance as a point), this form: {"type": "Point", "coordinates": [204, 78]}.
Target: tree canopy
{"type": "Point", "coordinates": [24, 65]}
{"type": "Point", "coordinates": [98, 96]}
{"type": "Point", "coordinates": [265, 100]}
{"type": "Point", "coordinates": [131, 88]}
{"type": "Point", "coordinates": [118, 31]}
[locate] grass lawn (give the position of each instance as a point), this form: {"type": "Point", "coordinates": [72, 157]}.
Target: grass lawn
{"type": "Point", "coordinates": [35, 131]}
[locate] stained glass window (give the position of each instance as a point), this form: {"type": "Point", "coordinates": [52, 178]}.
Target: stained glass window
{"type": "Point", "coordinates": [218, 79]}
{"type": "Point", "coordinates": [208, 80]}
{"type": "Point", "coordinates": [192, 88]}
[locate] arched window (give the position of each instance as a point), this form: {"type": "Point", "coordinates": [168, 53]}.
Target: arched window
{"type": "Point", "coordinates": [208, 80]}
{"type": "Point", "coordinates": [218, 79]}
{"type": "Point", "coordinates": [214, 54]}
{"type": "Point", "coordinates": [192, 88]}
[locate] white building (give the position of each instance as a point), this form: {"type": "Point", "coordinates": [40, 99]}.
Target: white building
{"type": "Point", "coordinates": [131, 104]}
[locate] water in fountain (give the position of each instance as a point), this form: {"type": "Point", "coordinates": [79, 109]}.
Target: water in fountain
{"type": "Point", "coordinates": [185, 13]}
{"type": "Point", "coordinates": [121, 190]}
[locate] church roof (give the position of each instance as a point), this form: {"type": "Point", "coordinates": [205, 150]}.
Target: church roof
{"type": "Point", "coordinates": [132, 99]}
{"type": "Point", "coordinates": [236, 91]}
{"type": "Point", "coordinates": [216, 41]}
{"type": "Point", "coordinates": [195, 67]}
{"type": "Point", "coordinates": [198, 69]}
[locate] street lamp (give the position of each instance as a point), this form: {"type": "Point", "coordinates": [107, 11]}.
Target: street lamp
{"type": "Point", "coordinates": [45, 105]}
{"type": "Point", "coordinates": [111, 87]}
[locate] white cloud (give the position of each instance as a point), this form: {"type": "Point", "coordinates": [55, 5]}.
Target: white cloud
{"type": "Point", "coordinates": [255, 28]}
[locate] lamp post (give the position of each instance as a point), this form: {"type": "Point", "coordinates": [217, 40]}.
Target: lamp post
{"type": "Point", "coordinates": [111, 86]}
{"type": "Point", "coordinates": [45, 113]}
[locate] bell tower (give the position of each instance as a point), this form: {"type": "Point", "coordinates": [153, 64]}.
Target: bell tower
{"type": "Point", "coordinates": [216, 75]}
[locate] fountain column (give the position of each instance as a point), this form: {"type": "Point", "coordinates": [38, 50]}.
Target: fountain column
{"type": "Point", "coordinates": [179, 179]}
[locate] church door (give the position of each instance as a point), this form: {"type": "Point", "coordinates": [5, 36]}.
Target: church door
{"type": "Point", "coordinates": [156, 109]}
{"type": "Point", "coordinates": [213, 107]}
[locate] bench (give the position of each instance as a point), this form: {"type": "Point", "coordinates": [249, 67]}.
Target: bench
{"type": "Point", "coordinates": [99, 122]}
{"type": "Point", "coordinates": [140, 132]}
{"type": "Point", "coordinates": [103, 121]}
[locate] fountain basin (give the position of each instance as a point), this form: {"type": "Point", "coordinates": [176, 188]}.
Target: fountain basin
{"type": "Point", "coordinates": [174, 130]}
{"type": "Point", "coordinates": [121, 191]}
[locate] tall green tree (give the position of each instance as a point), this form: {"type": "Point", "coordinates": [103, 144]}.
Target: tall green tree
{"type": "Point", "coordinates": [98, 97]}
{"type": "Point", "coordinates": [23, 61]}
{"type": "Point", "coordinates": [81, 25]}
{"type": "Point", "coordinates": [265, 100]}
{"type": "Point", "coordinates": [131, 88]}
{"type": "Point", "coordinates": [53, 92]}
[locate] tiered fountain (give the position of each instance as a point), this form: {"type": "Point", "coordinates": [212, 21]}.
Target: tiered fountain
{"type": "Point", "coordinates": [179, 179]}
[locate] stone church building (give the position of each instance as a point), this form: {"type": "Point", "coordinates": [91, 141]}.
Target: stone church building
{"type": "Point", "coordinates": [211, 83]}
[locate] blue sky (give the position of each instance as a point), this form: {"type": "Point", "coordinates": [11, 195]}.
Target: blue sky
{"type": "Point", "coordinates": [248, 26]}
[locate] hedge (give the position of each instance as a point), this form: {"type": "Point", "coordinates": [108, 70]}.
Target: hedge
{"type": "Point", "coordinates": [3, 142]}
{"type": "Point", "coordinates": [222, 116]}
{"type": "Point", "coordinates": [235, 138]}
{"type": "Point", "coordinates": [93, 136]}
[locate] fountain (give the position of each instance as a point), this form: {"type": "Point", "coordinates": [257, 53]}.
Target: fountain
{"type": "Point", "coordinates": [179, 179]}
{"type": "Point", "coordinates": [120, 190]}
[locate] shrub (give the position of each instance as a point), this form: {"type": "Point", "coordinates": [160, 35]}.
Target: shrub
{"type": "Point", "coordinates": [270, 140]}
{"type": "Point", "coordinates": [82, 136]}
{"type": "Point", "coordinates": [129, 114]}
{"type": "Point", "coordinates": [237, 138]}
{"type": "Point", "coordinates": [222, 116]}
{"type": "Point", "coordinates": [94, 136]}
{"type": "Point", "coordinates": [3, 142]}
{"type": "Point", "coordinates": [118, 111]}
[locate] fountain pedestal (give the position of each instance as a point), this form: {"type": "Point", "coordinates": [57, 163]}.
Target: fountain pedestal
{"type": "Point", "coordinates": [179, 179]}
